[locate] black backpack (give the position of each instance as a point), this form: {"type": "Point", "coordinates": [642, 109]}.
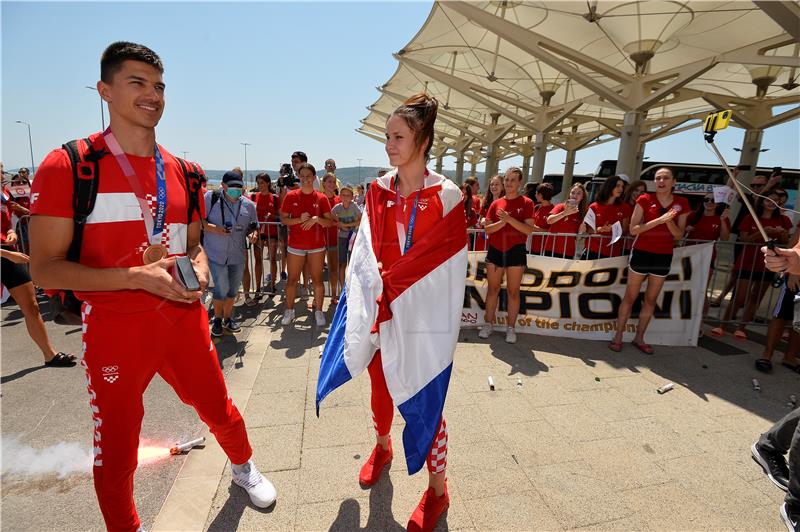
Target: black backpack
{"type": "Point", "coordinates": [85, 161]}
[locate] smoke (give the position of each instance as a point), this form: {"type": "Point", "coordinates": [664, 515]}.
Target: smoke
{"type": "Point", "coordinates": [61, 459]}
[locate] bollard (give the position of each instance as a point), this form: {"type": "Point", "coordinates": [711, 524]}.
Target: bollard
{"type": "Point", "coordinates": [491, 383]}
{"type": "Point", "coordinates": [756, 385]}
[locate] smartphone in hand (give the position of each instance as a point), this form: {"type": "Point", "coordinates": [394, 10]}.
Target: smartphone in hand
{"type": "Point", "coordinates": [184, 273]}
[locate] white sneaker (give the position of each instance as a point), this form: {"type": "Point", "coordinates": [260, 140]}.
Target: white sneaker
{"type": "Point", "coordinates": [320, 317]}
{"type": "Point", "coordinates": [288, 316]}
{"type": "Point", "coordinates": [485, 331]}
{"type": "Point", "coordinates": [511, 336]}
{"type": "Point", "coordinates": [261, 491]}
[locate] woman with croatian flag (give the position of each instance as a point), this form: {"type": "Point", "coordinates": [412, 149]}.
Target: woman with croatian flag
{"type": "Point", "coordinates": [400, 312]}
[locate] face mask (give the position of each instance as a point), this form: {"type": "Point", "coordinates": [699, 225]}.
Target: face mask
{"type": "Point", "coordinates": [234, 193]}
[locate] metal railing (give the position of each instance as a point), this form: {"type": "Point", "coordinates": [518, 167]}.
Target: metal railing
{"type": "Point", "coordinates": [737, 267]}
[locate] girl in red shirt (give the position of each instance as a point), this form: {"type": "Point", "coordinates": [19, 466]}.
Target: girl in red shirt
{"type": "Point", "coordinates": [566, 218]}
{"type": "Point", "coordinates": [709, 222]}
{"type": "Point", "coordinates": [658, 219]}
{"type": "Point", "coordinates": [632, 192]}
{"type": "Point", "coordinates": [307, 213]}
{"type": "Point", "coordinates": [543, 208]}
{"type": "Point", "coordinates": [493, 192]}
{"type": "Point", "coordinates": [508, 223]}
{"type": "Point", "coordinates": [267, 208]}
{"type": "Point", "coordinates": [472, 207]}
{"type": "Point", "coordinates": [329, 185]}
{"type": "Point", "coordinates": [753, 279]}
{"type": "Point", "coordinates": [607, 210]}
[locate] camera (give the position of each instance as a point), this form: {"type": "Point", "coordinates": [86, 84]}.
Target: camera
{"type": "Point", "coordinates": [287, 178]}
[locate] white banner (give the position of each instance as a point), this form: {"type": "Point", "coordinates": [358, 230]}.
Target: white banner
{"type": "Point", "coordinates": [580, 298]}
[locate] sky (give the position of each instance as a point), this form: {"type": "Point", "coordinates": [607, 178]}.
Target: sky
{"type": "Point", "coordinates": [282, 76]}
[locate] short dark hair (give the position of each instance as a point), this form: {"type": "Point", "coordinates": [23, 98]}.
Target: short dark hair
{"type": "Point", "coordinates": [300, 155]}
{"type": "Point", "coordinates": [122, 51]}
{"type": "Point", "coordinates": [307, 166]}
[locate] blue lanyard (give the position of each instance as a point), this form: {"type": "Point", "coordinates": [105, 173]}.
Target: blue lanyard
{"type": "Point", "coordinates": [399, 215]}
{"type": "Point", "coordinates": [161, 194]}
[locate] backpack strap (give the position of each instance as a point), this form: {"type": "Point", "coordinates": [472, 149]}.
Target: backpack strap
{"type": "Point", "coordinates": [85, 183]}
{"type": "Point", "coordinates": [215, 196]}
{"type": "Point", "coordinates": [191, 176]}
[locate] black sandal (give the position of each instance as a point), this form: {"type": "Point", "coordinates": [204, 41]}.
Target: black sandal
{"type": "Point", "coordinates": [61, 360]}
{"type": "Point", "coordinates": [764, 365]}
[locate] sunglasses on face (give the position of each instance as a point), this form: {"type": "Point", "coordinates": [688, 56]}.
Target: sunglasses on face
{"type": "Point", "coordinates": [757, 185]}
{"type": "Point", "coordinates": [708, 200]}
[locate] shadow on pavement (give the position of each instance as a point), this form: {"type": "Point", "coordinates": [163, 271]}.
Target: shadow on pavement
{"type": "Point", "coordinates": [19, 374]}
{"type": "Point", "coordinates": [231, 512]}
{"type": "Point", "coordinates": [703, 372]}
{"type": "Point", "coordinates": [380, 511]}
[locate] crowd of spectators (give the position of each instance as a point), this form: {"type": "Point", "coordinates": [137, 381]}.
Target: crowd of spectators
{"type": "Point", "coordinates": [307, 241]}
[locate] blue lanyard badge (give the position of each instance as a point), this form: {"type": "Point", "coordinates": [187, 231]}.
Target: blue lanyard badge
{"type": "Point", "coordinates": [399, 218]}
{"type": "Point", "coordinates": [161, 195]}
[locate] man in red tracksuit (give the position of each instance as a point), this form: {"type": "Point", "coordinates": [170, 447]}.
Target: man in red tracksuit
{"type": "Point", "coordinates": [137, 319]}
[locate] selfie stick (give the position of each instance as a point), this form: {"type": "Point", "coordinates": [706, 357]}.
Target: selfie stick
{"type": "Point", "coordinates": [716, 122]}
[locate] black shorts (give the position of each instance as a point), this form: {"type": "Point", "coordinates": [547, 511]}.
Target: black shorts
{"type": "Point", "coordinates": [12, 274]}
{"type": "Point", "coordinates": [515, 256]}
{"type": "Point", "coordinates": [765, 276]}
{"type": "Point", "coordinates": [283, 233]}
{"type": "Point", "coordinates": [646, 263]}
{"type": "Point", "coordinates": [784, 307]}
{"type": "Point", "coordinates": [588, 254]}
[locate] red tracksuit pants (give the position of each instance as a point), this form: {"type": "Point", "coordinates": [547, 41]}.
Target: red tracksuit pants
{"type": "Point", "coordinates": [122, 353]}
{"type": "Point", "coordinates": [383, 413]}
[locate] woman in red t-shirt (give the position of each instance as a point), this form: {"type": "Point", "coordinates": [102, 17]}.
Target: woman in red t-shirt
{"type": "Point", "coordinates": [307, 213]}
{"type": "Point", "coordinates": [329, 185]}
{"type": "Point", "coordinates": [493, 192]}
{"type": "Point", "coordinates": [658, 219]}
{"type": "Point", "coordinates": [472, 207]}
{"type": "Point", "coordinates": [607, 210]}
{"type": "Point", "coordinates": [632, 192]}
{"type": "Point", "coordinates": [508, 222]}
{"type": "Point", "coordinates": [267, 208]}
{"type": "Point", "coordinates": [543, 208]}
{"type": "Point", "coordinates": [753, 279]}
{"type": "Point", "coordinates": [708, 223]}
{"type": "Point", "coordinates": [566, 218]}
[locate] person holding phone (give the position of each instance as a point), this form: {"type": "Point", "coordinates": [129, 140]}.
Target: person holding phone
{"type": "Point", "coordinates": [138, 321]}
{"type": "Point", "coordinates": [231, 222]}
{"type": "Point", "coordinates": [658, 220]}
{"type": "Point", "coordinates": [566, 218]}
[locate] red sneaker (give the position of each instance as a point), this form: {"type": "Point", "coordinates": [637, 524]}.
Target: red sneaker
{"type": "Point", "coordinates": [372, 469]}
{"type": "Point", "coordinates": [428, 511]}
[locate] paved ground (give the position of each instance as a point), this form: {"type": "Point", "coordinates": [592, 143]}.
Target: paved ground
{"type": "Point", "coordinates": [573, 436]}
{"type": "Point", "coordinates": [47, 429]}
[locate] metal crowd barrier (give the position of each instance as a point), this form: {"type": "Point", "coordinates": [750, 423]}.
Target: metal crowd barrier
{"type": "Point", "coordinates": [763, 289]}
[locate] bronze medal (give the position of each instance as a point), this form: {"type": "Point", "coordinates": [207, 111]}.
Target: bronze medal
{"type": "Point", "coordinates": [154, 253]}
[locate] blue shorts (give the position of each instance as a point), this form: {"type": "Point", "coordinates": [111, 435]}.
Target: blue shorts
{"type": "Point", "coordinates": [227, 279]}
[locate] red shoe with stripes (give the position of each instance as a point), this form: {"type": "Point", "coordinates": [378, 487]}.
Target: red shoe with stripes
{"type": "Point", "coordinates": [371, 471]}
{"type": "Point", "coordinates": [428, 511]}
